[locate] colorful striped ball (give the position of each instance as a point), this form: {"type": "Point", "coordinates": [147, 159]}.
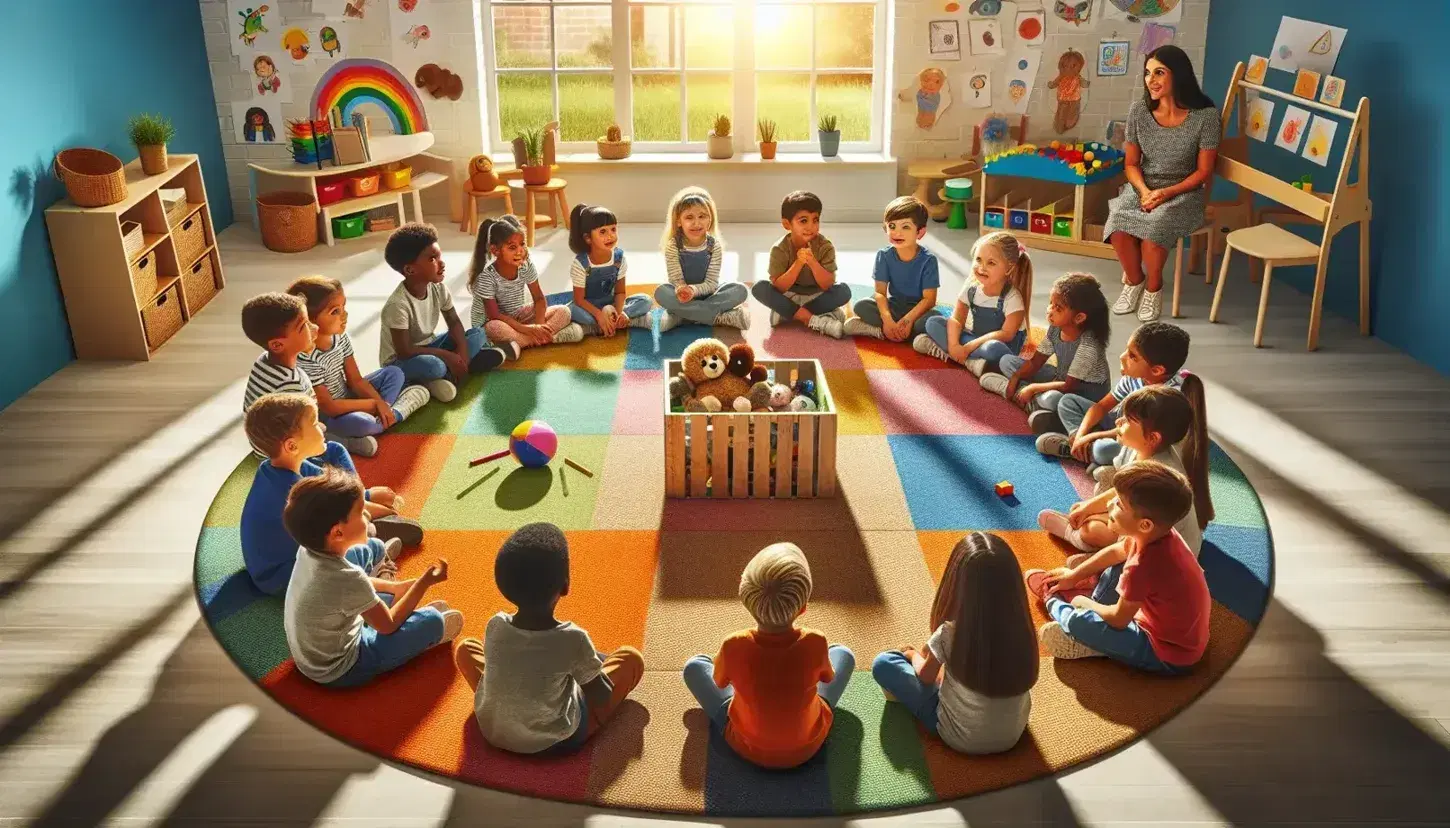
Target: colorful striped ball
{"type": "Point", "coordinates": [533, 443]}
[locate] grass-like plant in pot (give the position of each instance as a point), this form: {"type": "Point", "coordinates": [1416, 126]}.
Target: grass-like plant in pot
{"type": "Point", "coordinates": [767, 138]}
{"type": "Point", "coordinates": [534, 170]}
{"type": "Point", "coordinates": [151, 133]}
{"type": "Point", "coordinates": [830, 136]}
{"type": "Point", "coordinates": [719, 144]}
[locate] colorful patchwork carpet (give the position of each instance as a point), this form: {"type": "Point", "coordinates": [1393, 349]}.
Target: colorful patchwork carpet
{"type": "Point", "coordinates": [920, 448]}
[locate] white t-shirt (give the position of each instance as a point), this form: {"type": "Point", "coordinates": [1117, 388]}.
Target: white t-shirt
{"type": "Point", "coordinates": [1168, 456]}
{"type": "Point", "coordinates": [968, 721]}
{"type": "Point", "coordinates": [419, 317]}
{"type": "Point", "coordinates": [579, 277]}
{"type": "Point", "coordinates": [531, 695]}
{"type": "Point", "coordinates": [1011, 303]}
{"type": "Point", "coordinates": [322, 614]}
{"type": "Point", "coordinates": [512, 295]}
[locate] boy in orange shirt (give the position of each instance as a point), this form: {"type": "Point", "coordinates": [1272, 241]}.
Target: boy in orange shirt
{"type": "Point", "coordinates": [773, 689]}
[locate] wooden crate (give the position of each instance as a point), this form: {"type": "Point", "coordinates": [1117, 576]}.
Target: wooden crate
{"type": "Point", "coordinates": [728, 454]}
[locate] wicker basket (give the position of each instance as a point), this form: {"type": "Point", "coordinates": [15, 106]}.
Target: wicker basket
{"type": "Point", "coordinates": [288, 221]}
{"type": "Point", "coordinates": [198, 282]}
{"type": "Point", "coordinates": [161, 317]}
{"type": "Point", "coordinates": [144, 278]}
{"type": "Point", "coordinates": [132, 239]}
{"type": "Point", "coordinates": [190, 239]}
{"type": "Point", "coordinates": [92, 177]}
{"type": "Point", "coordinates": [613, 150]}
{"type": "Point", "coordinates": [175, 204]}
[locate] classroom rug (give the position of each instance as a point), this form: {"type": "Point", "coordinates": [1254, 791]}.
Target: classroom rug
{"type": "Point", "coordinates": [919, 450]}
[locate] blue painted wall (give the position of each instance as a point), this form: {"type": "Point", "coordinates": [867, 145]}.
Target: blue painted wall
{"type": "Point", "coordinates": [84, 69]}
{"type": "Point", "coordinates": [1395, 61]}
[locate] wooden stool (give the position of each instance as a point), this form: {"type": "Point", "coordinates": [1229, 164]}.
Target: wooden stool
{"type": "Point", "coordinates": [957, 218]}
{"type": "Point", "coordinates": [470, 209]}
{"type": "Point", "coordinates": [557, 206]}
{"type": "Point", "coordinates": [1275, 246]}
{"type": "Point", "coordinates": [926, 172]}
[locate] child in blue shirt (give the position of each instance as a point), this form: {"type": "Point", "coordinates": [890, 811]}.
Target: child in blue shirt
{"type": "Point", "coordinates": [907, 277]}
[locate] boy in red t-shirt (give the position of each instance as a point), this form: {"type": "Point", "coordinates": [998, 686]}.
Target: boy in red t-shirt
{"type": "Point", "coordinates": [773, 688]}
{"type": "Point", "coordinates": [1150, 608]}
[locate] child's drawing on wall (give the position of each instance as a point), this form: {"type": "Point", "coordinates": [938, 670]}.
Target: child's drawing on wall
{"type": "Point", "coordinates": [267, 78]}
{"type": "Point", "coordinates": [258, 126]}
{"type": "Point", "coordinates": [1069, 84]}
{"type": "Point", "coordinates": [932, 95]}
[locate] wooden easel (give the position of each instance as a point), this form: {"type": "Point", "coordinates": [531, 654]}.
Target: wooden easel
{"type": "Point", "coordinates": [1348, 203]}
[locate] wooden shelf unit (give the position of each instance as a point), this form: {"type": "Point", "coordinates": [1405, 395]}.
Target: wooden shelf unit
{"type": "Point", "coordinates": [1066, 218]}
{"type": "Point", "coordinates": [101, 304]}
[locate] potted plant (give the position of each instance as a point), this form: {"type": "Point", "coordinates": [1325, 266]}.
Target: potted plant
{"type": "Point", "coordinates": [150, 134]}
{"type": "Point", "coordinates": [613, 146]}
{"type": "Point", "coordinates": [767, 139]}
{"type": "Point", "coordinates": [534, 170]}
{"type": "Point", "coordinates": [830, 136]}
{"type": "Point", "coordinates": [719, 144]}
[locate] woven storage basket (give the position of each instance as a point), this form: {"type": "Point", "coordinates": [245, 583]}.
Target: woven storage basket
{"type": "Point", "coordinates": [161, 317]}
{"type": "Point", "coordinates": [613, 150]}
{"type": "Point", "coordinates": [132, 239]}
{"type": "Point", "coordinates": [190, 239]}
{"type": "Point", "coordinates": [175, 204]}
{"type": "Point", "coordinates": [143, 278]}
{"type": "Point", "coordinates": [92, 177]}
{"type": "Point", "coordinates": [288, 221]}
{"type": "Point", "coordinates": [198, 282]}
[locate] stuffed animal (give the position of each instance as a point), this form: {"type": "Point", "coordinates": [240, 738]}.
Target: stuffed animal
{"type": "Point", "coordinates": [760, 396]}
{"type": "Point", "coordinates": [720, 378]}
{"type": "Point", "coordinates": [439, 82]}
{"type": "Point", "coordinates": [780, 397]}
{"type": "Point", "coordinates": [802, 404]}
{"type": "Point", "coordinates": [481, 178]}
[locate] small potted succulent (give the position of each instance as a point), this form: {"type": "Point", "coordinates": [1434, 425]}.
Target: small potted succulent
{"type": "Point", "coordinates": [830, 136]}
{"type": "Point", "coordinates": [613, 146]}
{"type": "Point", "coordinates": [767, 139]}
{"type": "Point", "coordinates": [151, 134]}
{"type": "Point", "coordinates": [719, 144]}
{"type": "Point", "coordinates": [534, 170]}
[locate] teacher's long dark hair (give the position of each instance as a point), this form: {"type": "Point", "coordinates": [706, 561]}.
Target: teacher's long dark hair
{"type": "Point", "coordinates": [1186, 90]}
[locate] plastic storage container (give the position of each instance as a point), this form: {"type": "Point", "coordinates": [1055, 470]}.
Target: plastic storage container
{"type": "Point", "coordinates": [349, 227]}
{"type": "Point", "coordinates": [397, 179]}
{"type": "Point", "coordinates": [331, 192]}
{"type": "Point", "coordinates": [363, 185]}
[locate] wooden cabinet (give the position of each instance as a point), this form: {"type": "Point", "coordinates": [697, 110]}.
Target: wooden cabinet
{"type": "Point", "coordinates": [125, 302]}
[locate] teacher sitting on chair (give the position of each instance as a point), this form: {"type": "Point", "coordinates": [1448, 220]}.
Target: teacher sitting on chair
{"type": "Point", "coordinates": [1172, 146]}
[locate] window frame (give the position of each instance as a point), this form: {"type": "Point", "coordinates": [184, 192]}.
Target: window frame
{"type": "Point", "coordinates": [743, 76]}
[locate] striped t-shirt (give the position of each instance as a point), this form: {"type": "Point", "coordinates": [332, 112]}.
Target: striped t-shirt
{"type": "Point", "coordinates": [326, 368]}
{"type": "Point", "coordinates": [512, 295]}
{"type": "Point", "coordinates": [269, 378]}
{"type": "Point", "coordinates": [1127, 385]}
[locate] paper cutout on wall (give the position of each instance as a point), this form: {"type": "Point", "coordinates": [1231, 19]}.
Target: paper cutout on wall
{"type": "Point", "coordinates": [1155, 35]}
{"type": "Point", "coordinates": [1032, 27]}
{"type": "Point", "coordinates": [986, 37]}
{"type": "Point", "coordinates": [1333, 92]}
{"type": "Point", "coordinates": [1304, 44]}
{"type": "Point", "coordinates": [1019, 75]}
{"type": "Point", "coordinates": [259, 121]}
{"type": "Point", "coordinates": [1306, 84]}
{"type": "Point", "coordinates": [1116, 134]}
{"type": "Point", "coordinates": [952, 8]}
{"type": "Point", "coordinates": [986, 8]}
{"type": "Point", "coordinates": [329, 43]}
{"type": "Point", "coordinates": [330, 9]}
{"type": "Point", "coordinates": [248, 24]}
{"type": "Point", "coordinates": [1291, 130]}
{"type": "Point", "coordinates": [1138, 11]}
{"type": "Point", "coordinates": [416, 38]}
{"type": "Point", "coordinates": [269, 79]}
{"type": "Point", "coordinates": [358, 9]}
{"type": "Point", "coordinates": [1260, 116]}
{"type": "Point", "coordinates": [931, 94]}
{"type": "Point", "coordinates": [297, 43]}
{"type": "Point", "coordinates": [945, 39]}
{"type": "Point", "coordinates": [979, 88]}
{"type": "Point", "coordinates": [1320, 140]}
{"type": "Point", "coordinates": [1256, 69]}
{"type": "Point", "coordinates": [1069, 84]}
{"type": "Point", "coordinates": [1113, 58]}
{"type": "Point", "coordinates": [1076, 12]}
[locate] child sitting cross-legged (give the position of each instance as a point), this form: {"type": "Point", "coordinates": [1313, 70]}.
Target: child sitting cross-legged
{"type": "Point", "coordinates": [355, 408]}
{"type": "Point", "coordinates": [802, 270]}
{"type": "Point", "coordinates": [773, 688]}
{"type": "Point", "coordinates": [277, 323]}
{"type": "Point", "coordinates": [990, 317]}
{"type": "Point", "coordinates": [539, 685]}
{"type": "Point", "coordinates": [971, 683]}
{"type": "Point", "coordinates": [508, 303]}
{"type": "Point", "coordinates": [340, 629]}
{"type": "Point", "coordinates": [1158, 423]}
{"type": "Point", "coordinates": [1150, 606]}
{"type": "Point", "coordinates": [598, 275]}
{"type": "Point", "coordinates": [907, 277]}
{"type": "Point", "coordinates": [1077, 336]}
{"type": "Point", "coordinates": [693, 250]}
{"type": "Point", "coordinates": [285, 428]}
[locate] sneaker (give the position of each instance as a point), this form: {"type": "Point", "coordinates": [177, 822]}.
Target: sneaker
{"type": "Point", "coordinates": [441, 390]}
{"type": "Point", "coordinates": [1151, 307]}
{"type": "Point", "coordinates": [413, 398]}
{"type": "Point", "coordinates": [668, 321]}
{"type": "Point", "coordinates": [385, 569]}
{"type": "Point", "coordinates": [452, 625]}
{"type": "Point", "coordinates": [641, 321]}
{"type": "Point", "coordinates": [406, 531]}
{"type": "Point", "coordinates": [1045, 422]}
{"type": "Point", "coordinates": [360, 446]}
{"type": "Point", "coordinates": [839, 314]}
{"type": "Point", "coordinates": [572, 332]}
{"type": "Point", "coordinates": [512, 350]}
{"type": "Point", "coordinates": [1053, 444]}
{"type": "Point", "coordinates": [589, 328]}
{"type": "Point", "coordinates": [826, 324]}
{"type": "Point", "coordinates": [734, 318]}
{"type": "Point", "coordinates": [1128, 300]}
{"type": "Point", "coordinates": [774, 319]}
{"type": "Point", "coordinates": [1103, 475]}
{"type": "Point", "coordinates": [1061, 645]}
{"type": "Point", "coordinates": [994, 384]}
{"type": "Point", "coordinates": [923, 344]}
{"type": "Point", "coordinates": [488, 359]}
{"type": "Point", "coordinates": [1037, 584]}
{"type": "Point", "coordinates": [1055, 523]}
{"type": "Point", "coordinates": [978, 367]}
{"type": "Point", "coordinates": [392, 549]}
{"type": "Point", "coordinates": [856, 326]}
{"type": "Point", "coordinates": [440, 605]}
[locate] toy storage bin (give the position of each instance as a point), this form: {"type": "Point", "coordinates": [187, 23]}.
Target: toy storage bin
{"type": "Point", "coordinates": [331, 192]}
{"type": "Point", "coordinates": [198, 282]}
{"type": "Point", "coordinates": [173, 201]}
{"type": "Point", "coordinates": [397, 179]}
{"type": "Point", "coordinates": [143, 277]}
{"type": "Point", "coordinates": [132, 238]}
{"type": "Point", "coordinates": [189, 238]}
{"type": "Point", "coordinates": [755, 454]}
{"type": "Point", "coordinates": [349, 227]}
{"type": "Point", "coordinates": [362, 185]}
{"type": "Point", "coordinates": [161, 317]}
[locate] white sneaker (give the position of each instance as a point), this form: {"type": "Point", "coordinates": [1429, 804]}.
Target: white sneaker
{"type": "Point", "coordinates": [838, 314]}
{"type": "Point", "coordinates": [923, 344]}
{"type": "Point", "coordinates": [441, 389]}
{"type": "Point", "coordinates": [668, 321]}
{"type": "Point", "coordinates": [572, 332]}
{"type": "Point", "coordinates": [774, 319]}
{"type": "Point", "coordinates": [1061, 645]}
{"type": "Point", "coordinates": [1129, 298]}
{"type": "Point", "coordinates": [826, 324]}
{"type": "Point", "coordinates": [1151, 307]}
{"type": "Point", "coordinates": [413, 398]}
{"type": "Point", "coordinates": [994, 384]}
{"type": "Point", "coordinates": [641, 321]}
{"type": "Point", "coordinates": [452, 625]}
{"type": "Point", "coordinates": [1054, 445]}
{"type": "Point", "coordinates": [856, 326]}
{"type": "Point", "coordinates": [734, 318]}
{"type": "Point", "coordinates": [360, 446]}
{"type": "Point", "coordinates": [392, 549]}
{"type": "Point", "coordinates": [978, 367]}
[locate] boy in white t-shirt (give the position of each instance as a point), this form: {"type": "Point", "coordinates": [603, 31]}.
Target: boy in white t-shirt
{"type": "Point", "coordinates": [990, 317]}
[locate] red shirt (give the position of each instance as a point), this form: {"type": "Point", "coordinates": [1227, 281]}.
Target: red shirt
{"type": "Point", "coordinates": [777, 719]}
{"type": "Point", "coordinates": [1167, 580]}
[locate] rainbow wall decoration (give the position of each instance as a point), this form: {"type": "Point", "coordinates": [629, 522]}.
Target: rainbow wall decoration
{"type": "Point", "coordinates": [356, 81]}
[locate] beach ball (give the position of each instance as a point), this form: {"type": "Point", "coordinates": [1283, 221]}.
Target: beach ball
{"type": "Point", "coordinates": [533, 443]}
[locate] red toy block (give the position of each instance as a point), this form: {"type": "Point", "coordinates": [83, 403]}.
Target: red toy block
{"type": "Point", "coordinates": [1004, 489]}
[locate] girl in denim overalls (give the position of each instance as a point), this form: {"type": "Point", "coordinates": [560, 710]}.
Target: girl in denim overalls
{"type": "Point", "coordinates": [693, 249]}
{"type": "Point", "coordinates": [598, 272]}
{"type": "Point", "coordinates": [1077, 335]}
{"type": "Point", "coordinates": [975, 335]}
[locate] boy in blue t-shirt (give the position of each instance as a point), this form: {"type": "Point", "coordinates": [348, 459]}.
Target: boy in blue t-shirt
{"type": "Point", "coordinates": [906, 276]}
{"type": "Point", "coordinates": [285, 428]}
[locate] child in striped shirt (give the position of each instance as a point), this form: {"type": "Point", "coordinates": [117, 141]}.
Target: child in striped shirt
{"type": "Point", "coordinates": [507, 302]}
{"type": "Point", "coordinates": [693, 250]}
{"type": "Point", "coordinates": [355, 408]}
{"type": "Point", "coordinates": [277, 322]}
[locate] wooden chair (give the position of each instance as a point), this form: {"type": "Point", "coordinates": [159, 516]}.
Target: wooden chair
{"type": "Point", "coordinates": [929, 171]}
{"type": "Point", "coordinates": [555, 202]}
{"type": "Point", "coordinates": [470, 206]}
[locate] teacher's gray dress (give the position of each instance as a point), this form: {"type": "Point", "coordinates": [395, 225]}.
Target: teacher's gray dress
{"type": "Point", "coordinates": [1169, 155]}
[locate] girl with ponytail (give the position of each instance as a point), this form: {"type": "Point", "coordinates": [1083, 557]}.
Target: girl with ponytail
{"type": "Point", "coordinates": [598, 274]}
{"type": "Point", "coordinates": [990, 319]}
{"type": "Point", "coordinates": [508, 303]}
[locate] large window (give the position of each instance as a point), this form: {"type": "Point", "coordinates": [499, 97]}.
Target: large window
{"type": "Point", "coordinates": [664, 70]}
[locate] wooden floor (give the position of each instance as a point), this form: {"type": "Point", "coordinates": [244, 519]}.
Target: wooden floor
{"type": "Point", "coordinates": [116, 705]}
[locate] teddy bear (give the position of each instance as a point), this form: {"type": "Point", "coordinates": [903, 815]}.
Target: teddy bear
{"type": "Point", "coordinates": [719, 378]}
{"type": "Point", "coordinates": [439, 82]}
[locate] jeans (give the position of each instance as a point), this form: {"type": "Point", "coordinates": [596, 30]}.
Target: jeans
{"type": "Point", "coordinates": [634, 307]}
{"type": "Point", "coordinates": [1072, 409]}
{"type": "Point", "coordinates": [367, 555]}
{"type": "Point", "coordinates": [378, 653]}
{"type": "Point", "coordinates": [700, 679]}
{"type": "Point", "coordinates": [702, 310]}
{"type": "Point", "coordinates": [1009, 364]}
{"type": "Point", "coordinates": [389, 382]}
{"type": "Point", "coordinates": [893, 671]}
{"type": "Point", "coordinates": [832, 298]}
{"type": "Point", "coordinates": [426, 367]}
{"type": "Point", "coordinates": [1129, 645]}
{"type": "Point", "coordinates": [992, 351]}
